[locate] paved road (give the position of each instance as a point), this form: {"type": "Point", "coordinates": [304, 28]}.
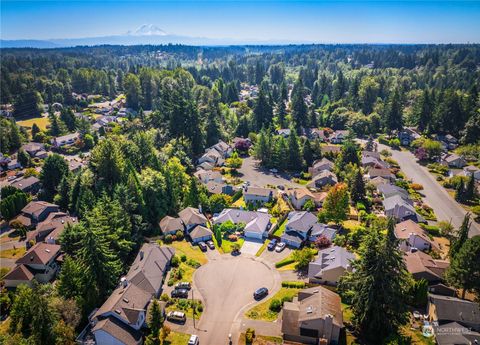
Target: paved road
{"type": "Point", "coordinates": [258, 176]}
{"type": "Point", "coordinates": [445, 207]}
{"type": "Point", "coordinates": [227, 285]}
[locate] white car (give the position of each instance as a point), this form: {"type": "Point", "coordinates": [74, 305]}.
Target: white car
{"type": "Point", "coordinates": [273, 170]}
{"type": "Point", "coordinates": [193, 340]}
{"type": "Point", "coordinates": [280, 246]}
{"type": "Point", "coordinates": [417, 315]}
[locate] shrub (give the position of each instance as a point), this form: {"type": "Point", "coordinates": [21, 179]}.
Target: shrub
{"type": "Point", "coordinates": [249, 335]}
{"type": "Point", "coordinates": [284, 262]}
{"type": "Point", "coordinates": [183, 258]}
{"type": "Point", "coordinates": [383, 140]}
{"type": "Point", "coordinates": [361, 206]}
{"type": "Point", "coordinates": [286, 299]}
{"type": "Point", "coordinates": [275, 305]}
{"type": "Point", "coordinates": [175, 261]}
{"type": "Point", "coordinates": [170, 282]}
{"type": "Point", "coordinates": [431, 229]}
{"type": "Point", "coordinates": [193, 263]}
{"type": "Point", "coordinates": [168, 239]}
{"type": "Point", "coordinates": [180, 236]}
{"type": "Point", "coordinates": [233, 238]}
{"type": "Point", "coordinates": [164, 297]}
{"type": "Point", "coordinates": [293, 284]}
{"type": "Point", "coordinates": [416, 186]}
{"type": "Point", "coordinates": [200, 308]}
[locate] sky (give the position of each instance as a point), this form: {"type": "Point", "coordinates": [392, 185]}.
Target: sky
{"type": "Point", "coordinates": [296, 21]}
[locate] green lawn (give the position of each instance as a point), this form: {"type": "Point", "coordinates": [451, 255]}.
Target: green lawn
{"type": "Point", "coordinates": [184, 305]}
{"type": "Point", "coordinates": [262, 311]}
{"type": "Point", "coordinates": [261, 340]}
{"type": "Point", "coordinates": [280, 229]}
{"type": "Point", "coordinates": [192, 252]}
{"type": "Point", "coordinates": [12, 253]}
{"type": "Point", "coordinates": [262, 248]}
{"type": "Point", "coordinates": [42, 122]}
{"type": "Point", "coordinates": [176, 338]}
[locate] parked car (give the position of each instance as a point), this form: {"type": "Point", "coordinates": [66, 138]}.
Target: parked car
{"type": "Point", "coordinates": [273, 170]}
{"type": "Point", "coordinates": [281, 187]}
{"type": "Point", "coordinates": [211, 245]}
{"type": "Point", "coordinates": [280, 246]}
{"type": "Point", "coordinates": [193, 340]}
{"type": "Point", "coordinates": [179, 293]}
{"type": "Point", "coordinates": [183, 285]}
{"type": "Point", "coordinates": [260, 293]}
{"type": "Point", "coordinates": [176, 316]}
{"type": "Point", "coordinates": [202, 246]}
{"type": "Point", "coordinates": [272, 244]}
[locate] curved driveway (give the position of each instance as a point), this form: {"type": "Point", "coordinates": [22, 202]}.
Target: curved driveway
{"type": "Point", "coordinates": [227, 284]}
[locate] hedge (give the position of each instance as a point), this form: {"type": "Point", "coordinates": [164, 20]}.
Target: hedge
{"type": "Point", "coordinates": [284, 262]}
{"type": "Point", "coordinates": [293, 284]}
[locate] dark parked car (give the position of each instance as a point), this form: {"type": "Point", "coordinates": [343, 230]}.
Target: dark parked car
{"type": "Point", "coordinates": [202, 246]}
{"type": "Point", "coordinates": [211, 245]}
{"type": "Point", "coordinates": [272, 244]}
{"type": "Point", "coordinates": [179, 293]}
{"type": "Point", "coordinates": [260, 293]}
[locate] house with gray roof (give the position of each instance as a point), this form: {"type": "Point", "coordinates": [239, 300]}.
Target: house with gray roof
{"type": "Point", "coordinates": [191, 217]}
{"type": "Point", "coordinates": [454, 161]}
{"type": "Point", "coordinates": [170, 225]}
{"type": "Point", "coordinates": [320, 165]}
{"type": "Point", "coordinates": [297, 228]}
{"type": "Point", "coordinates": [319, 229]}
{"type": "Point", "coordinates": [455, 333]}
{"type": "Point", "coordinates": [200, 234]}
{"type": "Point", "coordinates": [446, 309]}
{"type": "Point", "coordinates": [314, 316]}
{"type": "Point", "coordinates": [322, 179]}
{"type": "Point", "coordinates": [65, 140]}
{"type": "Point", "coordinates": [35, 212]}
{"type": "Point", "coordinates": [29, 184]}
{"type": "Point", "coordinates": [256, 223]}
{"type": "Point", "coordinates": [387, 190]}
{"type": "Point", "coordinates": [330, 265]}
{"type": "Point", "coordinates": [401, 209]}
{"type": "Point", "coordinates": [257, 195]}
{"type": "Point", "coordinates": [372, 162]}
{"type": "Point", "coordinates": [120, 318]}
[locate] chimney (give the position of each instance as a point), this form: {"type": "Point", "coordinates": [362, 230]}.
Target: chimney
{"type": "Point", "coordinates": [141, 255]}
{"type": "Point", "coordinates": [123, 282]}
{"type": "Point", "coordinates": [328, 327]}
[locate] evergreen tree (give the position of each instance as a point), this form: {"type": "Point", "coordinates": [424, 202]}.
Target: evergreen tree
{"type": "Point", "coordinates": [462, 235]}
{"type": "Point", "coordinates": [393, 117]}
{"type": "Point", "coordinates": [460, 192]}
{"type": "Point", "coordinates": [54, 170]}
{"type": "Point", "coordinates": [192, 198]}
{"type": "Point", "coordinates": [35, 130]}
{"type": "Point", "coordinates": [263, 113]}
{"type": "Point", "coordinates": [132, 89]}
{"type": "Point", "coordinates": [62, 199]}
{"type": "Point", "coordinates": [470, 188]}
{"type": "Point", "coordinates": [294, 154]}
{"type": "Point", "coordinates": [464, 270]}
{"type": "Point", "coordinates": [357, 189]}
{"type": "Point", "coordinates": [423, 110]}
{"type": "Point", "coordinates": [299, 108]}
{"type": "Point", "coordinates": [281, 114]}
{"type": "Point", "coordinates": [308, 153]}
{"type": "Point", "coordinates": [155, 319]}
{"type": "Point", "coordinates": [23, 158]}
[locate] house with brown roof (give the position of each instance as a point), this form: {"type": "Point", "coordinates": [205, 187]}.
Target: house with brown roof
{"type": "Point", "coordinates": [51, 228]}
{"type": "Point", "coordinates": [38, 263]}
{"type": "Point", "coordinates": [319, 165]}
{"type": "Point", "coordinates": [334, 149]}
{"type": "Point", "coordinates": [324, 178]}
{"type": "Point", "coordinates": [384, 172]}
{"type": "Point", "coordinates": [35, 212]}
{"type": "Point", "coordinates": [411, 235]}
{"type": "Point", "coordinates": [257, 195]}
{"type": "Point", "coordinates": [29, 184]}
{"type": "Point", "coordinates": [299, 196]}
{"type": "Point", "coordinates": [423, 266]}
{"type": "Point", "coordinates": [120, 318]}
{"type": "Point", "coordinates": [314, 317]}
{"type": "Point", "coordinates": [446, 309]}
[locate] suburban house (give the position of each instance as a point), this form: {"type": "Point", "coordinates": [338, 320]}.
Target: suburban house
{"type": "Point", "coordinates": [401, 209]}
{"type": "Point", "coordinates": [222, 148]}
{"type": "Point", "coordinates": [448, 141]}
{"type": "Point", "coordinates": [472, 170]}
{"type": "Point", "coordinates": [191, 217]}
{"type": "Point", "coordinates": [212, 157]}
{"type": "Point", "coordinates": [200, 234]}
{"type": "Point", "coordinates": [454, 161]}
{"type": "Point", "coordinates": [297, 228]}
{"type": "Point", "coordinates": [35, 212]}
{"type": "Point", "coordinates": [455, 333]}
{"type": "Point", "coordinates": [29, 184]}
{"type": "Point", "coordinates": [206, 165]}
{"type": "Point", "coordinates": [334, 149]}
{"type": "Point", "coordinates": [299, 196]}
{"type": "Point", "coordinates": [388, 190]}
{"type": "Point", "coordinates": [330, 265]}
{"type": "Point", "coordinates": [445, 309]}
{"type": "Point", "coordinates": [338, 136]}
{"type": "Point", "coordinates": [314, 317]}
{"type": "Point", "coordinates": [377, 181]}
{"type": "Point", "coordinates": [257, 223]}
{"type": "Point", "coordinates": [220, 188]}
{"type": "Point", "coordinates": [257, 195]}
{"type": "Point", "coordinates": [373, 154]}
{"type": "Point", "coordinates": [319, 229]}
{"type": "Point", "coordinates": [373, 162]}
{"type": "Point", "coordinates": [324, 178]}
{"type": "Point", "coordinates": [411, 235]}
{"type": "Point", "coordinates": [13, 164]}
{"type": "Point", "coordinates": [120, 319]}
{"type": "Point", "coordinates": [38, 263]}
{"type": "Point", "coordinates": [407, 135]}
{"type": "Point", "coordinates": [205, 176]}
{"type": "Point", "coordinates": [284, 132]}
{"type": "Point", "coordinates": [170, 225]}
{"type": "Point", "coordinates": [50, 229]}
{"type": "Point", "coordinates": [35, 150]}
{"type": "Point", "coordinates": [423, 266]}
{"type": "Point", "coordinates": [320, 165]}
{"type": "Point", "coordinates": [317, 133]}
{"type": "Point", "coordinates": [384, 172]}
{"type": "Point", "coordinates": [65, 140]}
{"type": "Point", "coordinates": [442, 289]}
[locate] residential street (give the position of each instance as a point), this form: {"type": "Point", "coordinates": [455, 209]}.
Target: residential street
{"type": "Point", "coordinates": [445, 207]}
{"type": "Point", "coordinates": [261, 177]}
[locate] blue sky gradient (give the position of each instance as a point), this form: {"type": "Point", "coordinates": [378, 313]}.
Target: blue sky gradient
{"type": "Point", "coordinates": [310, 21]}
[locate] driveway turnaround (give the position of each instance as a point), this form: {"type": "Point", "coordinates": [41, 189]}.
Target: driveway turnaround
{"type": "Point", "coordinates": [445, 207]}
{"type": "Point", "coordinates": [251, 247]}
{"type": "Point", "coordinates": [258, 176]}
{"type": "Point", "coordinates": [227, 285]}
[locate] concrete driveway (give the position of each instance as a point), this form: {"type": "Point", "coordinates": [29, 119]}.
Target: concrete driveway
{"type": "Point", "coordinates": [445, 207]}
{"type": "Point", "coordinates": [251, 246]}
{"type": "Point", "coordinates": [227, 287]}
{"type": "Point", "coordinates": [258, 176]}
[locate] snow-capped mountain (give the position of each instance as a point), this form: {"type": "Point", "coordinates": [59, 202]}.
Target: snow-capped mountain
{"type": "Point", "coordinates": [147, 30]}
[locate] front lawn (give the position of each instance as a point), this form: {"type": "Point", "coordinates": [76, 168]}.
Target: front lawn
{"type": "Point", "coordinates": [176, 338]}
{"type": "Point", "coordinates": [261, 340]}
{"type": "Point", "coordinates": [262, 311]}
{"type": "Point", "coordinates": [240, 203]}
{"type": "Point", "coordinates": [262, 248]}
{"type": "Point", "coordinates": [227, 245]}
{"type": "Point", "coordinates": [41, 122]}
{"type": "Point", "coordinates": [192, 252]}
{"type": "Point", "coordinates": [12, 253]}
{"type": "Point", "coordinates": [186, 306]}
{"type": "Point", "coordinates": [280, 229]}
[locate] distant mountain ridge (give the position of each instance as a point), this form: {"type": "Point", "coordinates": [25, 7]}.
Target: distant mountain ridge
{"type": "Point", "coordinates": [145, 34]}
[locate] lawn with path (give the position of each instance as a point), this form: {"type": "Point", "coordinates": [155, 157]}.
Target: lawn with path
{"type": "Point", "coordinates": [262, 311]}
